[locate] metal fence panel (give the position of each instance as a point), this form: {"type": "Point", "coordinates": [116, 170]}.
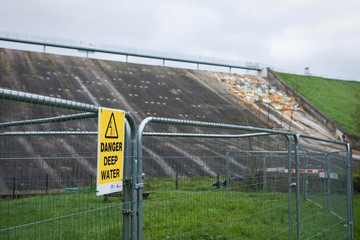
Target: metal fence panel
{"type": "Point", "coordinates": [203, 184]}
{"type": "Point", "coordinates": [324, 184]}
{"type": "Point", "coordinates": [203, 192]}
{"type": "Point", "coordinates": [48, 172]}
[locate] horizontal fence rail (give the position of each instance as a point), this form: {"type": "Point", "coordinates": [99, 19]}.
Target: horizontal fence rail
{"type": "Point", "coordinates": [101, 48]}
{"type": "Point", "coordinates": [50, 120]}
{"type": "Point", "coordinates": [90, 48]}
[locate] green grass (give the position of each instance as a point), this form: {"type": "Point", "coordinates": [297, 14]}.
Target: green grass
{"type": "Point", "coordinates": [198, 211]}
{"type": "Point", "coordinates": [213, 215]}
{"type": "Point", "coordinates": [337, 99]}
{"type": "Point", "coordinates": [60, 216]}
{"type": "Point", "coordinates": [195, 210]}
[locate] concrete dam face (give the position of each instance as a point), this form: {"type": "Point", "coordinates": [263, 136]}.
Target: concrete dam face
{"type": "Point", "coordinates": [143, 91]}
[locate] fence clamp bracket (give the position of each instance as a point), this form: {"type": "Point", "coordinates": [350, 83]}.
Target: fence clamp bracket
{"type": "Point", "coordinates": [139, 185]}
{"type": "Point", "coordinates": [128, 212]}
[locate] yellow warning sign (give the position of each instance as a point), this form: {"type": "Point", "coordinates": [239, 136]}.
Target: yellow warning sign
{"type": "Point", "coordinates": [110, 151]}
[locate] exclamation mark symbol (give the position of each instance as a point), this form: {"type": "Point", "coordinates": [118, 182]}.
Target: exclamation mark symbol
{"type": "Point", "coordinates": [111, 131]}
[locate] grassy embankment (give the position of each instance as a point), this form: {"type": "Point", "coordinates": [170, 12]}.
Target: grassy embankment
{"type": "Point", "coordinates": [337, 99]}
{"type": "Point", "coordinates": [187, 213]}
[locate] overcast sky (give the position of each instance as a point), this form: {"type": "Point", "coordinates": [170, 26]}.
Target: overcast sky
{"type": "Point", "coordinates": [290, 35]}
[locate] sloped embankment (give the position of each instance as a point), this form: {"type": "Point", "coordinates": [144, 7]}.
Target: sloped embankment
{"type": "Point", "coordinates": [142, 90]}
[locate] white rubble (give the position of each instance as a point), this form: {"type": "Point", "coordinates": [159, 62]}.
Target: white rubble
{"type": "Point", "coordinates": [256, 90]}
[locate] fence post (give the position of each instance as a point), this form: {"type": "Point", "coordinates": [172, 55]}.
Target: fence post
{"type": "Point", "coordinates": [91, 181]}
{"type": "Point", "coordinates": [305, 176]}
{"type": "Point", "coordinates": [350, 191]}
{"type": "Point", "coordinates": [14, 188]}
{"type": "Point", "coordinates": [46, 183]}
{"type": "Point", "coordinates": [264, 175]}
{"type": "Point", "coordinates": [289, 187]}
{"type": "Point", "coordinates": [327, 183]}
{"type": "Point", "coordinates": [227, 164]}
{"type": "Point", "coordinates": [177, 181]}
{"type": "Point", "coordinates": [130, 169]}
{"type": "Point", "coordinates": [296, 138]}
{"type": "Point", "coordinates": [126, 183]}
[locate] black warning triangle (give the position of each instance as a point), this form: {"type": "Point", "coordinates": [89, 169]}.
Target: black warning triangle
{"type": "Point", "coordinates": [111, 130]}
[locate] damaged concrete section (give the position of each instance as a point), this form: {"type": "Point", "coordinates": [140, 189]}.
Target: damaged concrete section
{"type": "Point", "coordinates": [258, 91]}
{"type": "Point", "coordinates": [276, 104]}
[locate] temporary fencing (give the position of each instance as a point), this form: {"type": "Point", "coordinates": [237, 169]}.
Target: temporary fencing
{"type": "Point", "coordinates": [48, 171]}
{"type": "Point", "coordinates": [233, 182]}
{"type": "Point", "coordinates": [182, 179]}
